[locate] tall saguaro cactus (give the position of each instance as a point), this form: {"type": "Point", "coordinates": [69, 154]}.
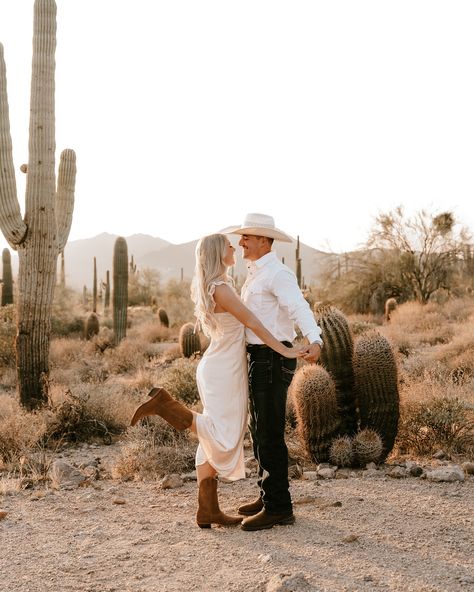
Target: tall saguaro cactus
{"type": "Point", "coordinates": [120, 289]}
{"type": "Point", "coordinates": [42, 234]}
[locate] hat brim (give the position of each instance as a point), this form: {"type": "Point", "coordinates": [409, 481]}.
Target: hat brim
{"type": "Point", "coordinates": [273, 233]}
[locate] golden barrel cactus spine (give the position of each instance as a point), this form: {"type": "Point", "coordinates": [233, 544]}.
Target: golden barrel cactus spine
{"type": "Point", "coordinates": [376, 382]}
{"type": "Point", "coordinates": [120, 289]}
{"type": "Point", "coordinates": [314, 397]}
{"type": "Point", "coordinates": [42, 235]}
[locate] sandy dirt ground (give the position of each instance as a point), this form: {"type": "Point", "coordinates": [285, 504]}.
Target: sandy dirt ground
{"type": "Point", "coordinates": [368, 532]}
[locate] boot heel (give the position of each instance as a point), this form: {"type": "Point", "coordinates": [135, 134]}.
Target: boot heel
{"type": "Point", "coordinates": [204, 525]}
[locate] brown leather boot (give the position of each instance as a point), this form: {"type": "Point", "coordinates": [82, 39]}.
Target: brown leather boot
{"type": "Point", "coordinates": [208, 510]}
{"type": "Point", "coordinates": [251, 508]}
{"type": "Point", "coordinates": [162, 403]}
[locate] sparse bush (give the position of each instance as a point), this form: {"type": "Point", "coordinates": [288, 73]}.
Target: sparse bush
{"type": "Point", "coordinates": [153, 449]}
{"type": "Point", "coordinates": [20, 431]}
{"type": "Point", "coordinates": [7, 336]}
{"type": "Point", "coordinates": [77, 418]}
{"type": "Point", "coordinates": [180, 380]}
{"type": "Point", "coordinates": [442, 423]}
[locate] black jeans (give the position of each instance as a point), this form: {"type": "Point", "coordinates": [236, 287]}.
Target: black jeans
{"type": "Point", "coordinates": [269, 378]}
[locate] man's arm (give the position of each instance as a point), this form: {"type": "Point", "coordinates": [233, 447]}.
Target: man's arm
{"type": "Point", "coordinates": [286, 289]}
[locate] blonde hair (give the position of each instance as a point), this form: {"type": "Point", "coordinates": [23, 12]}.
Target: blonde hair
{"type": "Point", "coordinates": [210, 266]}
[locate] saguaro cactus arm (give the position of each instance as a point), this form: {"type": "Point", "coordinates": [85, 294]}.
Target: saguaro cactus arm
{"type": "Point", "coordinates": [65, 195]}
{"type": "Point", "coordinates": [11, 222]}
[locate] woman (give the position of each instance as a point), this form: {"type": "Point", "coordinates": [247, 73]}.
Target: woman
{"type": "Point", "coordinates": [221, 378]}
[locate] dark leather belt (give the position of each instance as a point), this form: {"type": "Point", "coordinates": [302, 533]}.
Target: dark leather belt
{"type": "Point", "coordinates": [254, 347]}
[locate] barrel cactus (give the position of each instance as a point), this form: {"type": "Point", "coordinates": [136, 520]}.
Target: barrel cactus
{"type": "Point", "coordinates": [92, 326]}
{"type": "Point", "coordinates": [7, 279]}
{"type": "Point", "coordinates": [376, 385]}
{"type": "Point", "coordinates": [41, 235]}
{"type": "Point", "coordinates": [163, 316]}
{"type": "Point", "coordinates": [341, 452]}
{"type": "Point", "coordinates": [120, 289]}
{"type": "Point", "coordinates": [390, 306]}
{"type": "Point", "coordinates": [336, 358]}
{"type": "Point", "coordinates": [189, 342]}
{"type": "Point", "coordinates": [314, 396]}
{"type": "Point", "coordinates": [367, 447]}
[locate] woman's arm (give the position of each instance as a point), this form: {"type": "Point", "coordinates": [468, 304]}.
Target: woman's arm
{"type": "Point", "coordinates": [229, 301]}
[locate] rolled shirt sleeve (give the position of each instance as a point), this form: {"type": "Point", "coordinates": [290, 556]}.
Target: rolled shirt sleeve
{"type": "Point", "coordinates": [289, 296]}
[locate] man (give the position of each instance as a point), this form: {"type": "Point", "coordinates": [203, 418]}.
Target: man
{"type": "Point", "coordinates": [271, 292]}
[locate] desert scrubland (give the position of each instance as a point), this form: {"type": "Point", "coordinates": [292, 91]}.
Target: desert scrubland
{"type": "Point", "coordinates": [90, 504]}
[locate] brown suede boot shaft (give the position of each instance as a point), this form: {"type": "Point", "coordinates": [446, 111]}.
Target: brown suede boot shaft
{"type": "Point", "coordinates": [162, 403]}
{"type": "Point", "coordinates": [208, 506]}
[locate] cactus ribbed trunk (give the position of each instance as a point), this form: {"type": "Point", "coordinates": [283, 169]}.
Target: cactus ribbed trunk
{"type": "Point", "coordinates": [189, 341]}
{"type": "Point", "coordinates": [376, 383]}
{"type": "Point", "coordinates": [107, 292]}
{"type": "Point", "coordinates": [314, 397]}
{"type": "Point", "coordinates": [41, 236]}
{"type": "Point", "coordinates": [94, 288]}
{"type": "Point", "coordinates": [62, 273]}
{"type": "Point", "coordinates": [120, 289]}
{"type": "Point", "coordinates": [7, 278]}
{"type": "Point", "coordinates": [336, 357]}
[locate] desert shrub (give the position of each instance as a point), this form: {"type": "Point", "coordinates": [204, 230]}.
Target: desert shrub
{"type": "Point", "coordinates": [153, 449]}
{"type": "Point", "coordinates": [20, 431]}
{"type": "Point", "coordinates": [128, 356]}
{"type": "Point", "coordinates": [67, 317]}
{"type": "Point", "coordinates": [458, 355]}
{"type": "Point", "coordinates": [442, 423]}
{"type": "Point", "coordinates": [7, 336]}
{"type": "Point", "coordinates": [176, 299]}
{"type": "Point", "coordinates": [155, 332]}
{"type": "Point", "coordinates": [180, 379]}
{"type": "Point", "coordinates": [416, 324]}
{"type": "Point", "coordinates": [78, 418]}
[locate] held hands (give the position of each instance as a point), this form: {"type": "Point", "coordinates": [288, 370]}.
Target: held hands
{"type": "Point", "coordinates": [310, 353]}
{"type": "Point", "coordinates": [297, 351]}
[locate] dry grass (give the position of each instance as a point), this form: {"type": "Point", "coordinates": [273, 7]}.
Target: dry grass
{"type": "Point", "coordinates": [96, 388]}
{"type": "Point", "coordinates": [153, 449]}
{"type": "Point", "coordinates": [442, 423]}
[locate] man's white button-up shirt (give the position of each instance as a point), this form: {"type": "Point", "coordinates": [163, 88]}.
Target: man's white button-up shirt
{"type": "Point", "coordinates": [271, 292]}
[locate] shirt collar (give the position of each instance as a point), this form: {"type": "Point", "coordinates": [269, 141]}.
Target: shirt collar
{"type": "Point", "coordinates": [264, 260]}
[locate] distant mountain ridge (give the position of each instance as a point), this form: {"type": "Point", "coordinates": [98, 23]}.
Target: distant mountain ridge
{"type": "Point", "coordinates": [170, 260]}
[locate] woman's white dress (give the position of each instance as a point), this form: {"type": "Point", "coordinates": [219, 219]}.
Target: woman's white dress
{"type": "Point", "coordinates": [222, 382]}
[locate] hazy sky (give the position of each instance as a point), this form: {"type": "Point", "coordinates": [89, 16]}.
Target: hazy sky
{"type": "Point", "coordinates": [187, 114]}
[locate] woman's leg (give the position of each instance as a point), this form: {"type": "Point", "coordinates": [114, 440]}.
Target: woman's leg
{"type": "Point", "coordinates": [204, 471]}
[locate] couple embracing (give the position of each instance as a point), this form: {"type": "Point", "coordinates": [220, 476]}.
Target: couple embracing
{"type": "Point", "coordinates": [233, 385]}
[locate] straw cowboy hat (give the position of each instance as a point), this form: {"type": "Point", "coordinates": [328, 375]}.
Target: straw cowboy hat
{"type": "Point", "coordinates": [259, 225]}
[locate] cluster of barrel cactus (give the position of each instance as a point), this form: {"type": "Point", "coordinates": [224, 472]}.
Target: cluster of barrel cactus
{"type": "Point", "coordinates": [365, 447]}
{"type": "Point", "coordinates": [347, 408]}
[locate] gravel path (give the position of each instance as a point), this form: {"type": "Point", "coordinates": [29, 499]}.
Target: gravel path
{"type": "Point", "coordinates": [368, 532]}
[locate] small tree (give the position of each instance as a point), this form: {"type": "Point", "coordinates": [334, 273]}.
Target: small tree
{"type": "Point", "coordinates": [426, 246]}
